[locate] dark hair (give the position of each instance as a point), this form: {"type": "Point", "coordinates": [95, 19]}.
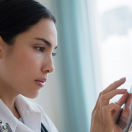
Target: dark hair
{"type": "Point", "coordinates": [17, 16]}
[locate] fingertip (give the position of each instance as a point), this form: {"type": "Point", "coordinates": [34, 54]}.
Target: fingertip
{"type": "Point", "coordinates": [126, 93]}
{"type": "Point", "coordinates": [130, 94]}
{"type": "Point", "coordinates": [122, 80]}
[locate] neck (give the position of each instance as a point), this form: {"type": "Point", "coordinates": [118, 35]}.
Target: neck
{"type": "Point", "coordinates": [8, 96]}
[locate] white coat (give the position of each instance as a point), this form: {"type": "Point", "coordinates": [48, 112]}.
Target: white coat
{"type": "Point", "coordinates": [31, 113]}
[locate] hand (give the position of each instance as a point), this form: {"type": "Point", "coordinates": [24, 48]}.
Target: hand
{"type": "Point", "coordinates": [105, 115]}
{"type": "Point", "coordinates": [126, 114]}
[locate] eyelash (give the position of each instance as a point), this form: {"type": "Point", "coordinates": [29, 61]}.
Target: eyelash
{"type": "Point", "coordinates": [53, 54]}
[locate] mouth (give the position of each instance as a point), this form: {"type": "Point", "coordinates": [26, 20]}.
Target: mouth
{"type": "Point", "coordinates": [40, 83]}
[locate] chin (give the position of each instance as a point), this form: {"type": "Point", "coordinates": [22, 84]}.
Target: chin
{"type": "Point", "coordinates": [32, 95]}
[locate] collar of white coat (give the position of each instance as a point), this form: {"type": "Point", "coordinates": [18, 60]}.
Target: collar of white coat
{"type": "Point", "coordinates": [31, 118]}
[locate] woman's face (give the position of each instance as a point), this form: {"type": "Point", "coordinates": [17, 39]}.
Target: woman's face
{"type": "Point", "coordinates": [30, 60]}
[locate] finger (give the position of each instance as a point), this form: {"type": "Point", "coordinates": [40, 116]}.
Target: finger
{"type": "Point", "coordinates": [98, 107]}
{"type": "Point", "coordinates": [114, 85]}
{"type": "Point", "coordinates": [97, 102]}
{"type": "Point", "coordinates": [126, 114]}
{"type": "Point", "coordinates": [106, 110]}
{"type": "Point", "coordinates": [105, 98]}
{"type": "Point", "coordinates": [128, 102]}
{"type": "Point", "coordinates": [109, 88]}
{"type": "Point", "coordinates": [105, 101]}
{"type": "Point", "coordinates": [116, 115]}
{"type": "Point", "coordinates": [122, 100]}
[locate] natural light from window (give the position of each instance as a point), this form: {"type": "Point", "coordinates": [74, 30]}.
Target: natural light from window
{"type": "Point", "coordinates": [115, 43]}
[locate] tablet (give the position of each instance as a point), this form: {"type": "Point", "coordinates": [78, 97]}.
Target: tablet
{"type": "Point", "coordinates": [124, 121]}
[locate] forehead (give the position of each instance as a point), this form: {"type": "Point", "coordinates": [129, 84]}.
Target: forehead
{"type": "Point", "coordinates": [45, 29]}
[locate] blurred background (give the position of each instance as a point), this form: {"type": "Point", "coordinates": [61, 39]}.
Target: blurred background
{"type": "Point", "coordinates": [94, 50]}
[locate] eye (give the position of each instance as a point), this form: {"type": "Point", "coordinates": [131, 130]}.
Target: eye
{"type": "Point", "coordinates": [40, 48]}
{"type": "Point", "coordinates": [53, 54]}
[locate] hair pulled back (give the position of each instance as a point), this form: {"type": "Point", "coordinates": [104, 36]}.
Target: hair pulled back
{"type": "Point", "coordinates": [17, 16]}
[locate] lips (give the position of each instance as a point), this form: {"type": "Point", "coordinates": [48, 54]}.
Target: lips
{"type": "Point", "coordinates": [41, 82]}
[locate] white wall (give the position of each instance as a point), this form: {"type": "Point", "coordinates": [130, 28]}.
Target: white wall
{"type": "Point", "coordinates": [46, 3]}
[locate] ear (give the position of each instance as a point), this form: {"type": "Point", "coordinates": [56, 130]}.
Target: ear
{"type": "Point", "coordinates": [1, 46]}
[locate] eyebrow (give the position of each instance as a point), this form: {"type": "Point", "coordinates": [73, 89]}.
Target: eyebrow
{"type": "Point", "coordinates": [45, 41]}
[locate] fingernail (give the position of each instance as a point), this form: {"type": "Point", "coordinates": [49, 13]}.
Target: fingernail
{"type": "Point", "coordinates": [125, 90]}
{"type": "Point", "coordinates": [123, 79]}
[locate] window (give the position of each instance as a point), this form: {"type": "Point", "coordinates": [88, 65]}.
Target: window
{"type": "Point", "coordinates": [115, 44]}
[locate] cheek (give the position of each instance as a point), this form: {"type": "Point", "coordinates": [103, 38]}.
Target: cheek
{"type": "Point", "coordinates": [22, 69]}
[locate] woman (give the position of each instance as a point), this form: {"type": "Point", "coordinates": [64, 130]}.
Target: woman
{"type": "Point", "coordinates": [28, 38]}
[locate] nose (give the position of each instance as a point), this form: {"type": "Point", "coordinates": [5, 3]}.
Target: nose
{"type": "Point", "coordinates": [48, 65]}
